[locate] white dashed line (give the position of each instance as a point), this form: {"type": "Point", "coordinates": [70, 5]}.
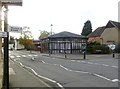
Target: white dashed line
{"type": "Point", "coordinates": [12, 56]}
{"type": "Point", "coordinates": [115, 80]}
{"type": "Point", "coordinates": [35, 55]}
{"type": "Point", "coordinates": [18, 56]}
{"type": "Point", "coordinates": [24, 55]}
{"type": "Point", "coordinates": [30, 55]}
{"type": "Point", "coordinates": [115, 66]}
{"type": "Point", "coordinates": [95, 63]}
{"type": "Point", "coordinates": [100, 76]}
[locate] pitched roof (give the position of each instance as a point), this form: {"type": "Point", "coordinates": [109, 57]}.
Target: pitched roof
{"type": "Point", "coordinates": [113, 24]}
{"type": "Point", "coordinates": [97, 32]}
{"type": "Point", "coordinates": [66, 34]}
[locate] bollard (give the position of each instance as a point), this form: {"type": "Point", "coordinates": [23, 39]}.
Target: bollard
{"type": "Point", "coordinates": [113, 55]}
{"type": "Point", "coordinates": [65, 55]}
{"type": "Point", "coordinates": [84, 55]}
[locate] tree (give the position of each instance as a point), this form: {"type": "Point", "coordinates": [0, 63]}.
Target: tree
{"type": "Point", "coordinates": [26, 42]}
{"type": "Point", "coordinates": [26, 37]}
{"type": "Point", "coordinates": [44, 34]}
{"type": "Point", "coordinates": [26, 33]}
{"type": "Point", "coordinates": [87, 29]}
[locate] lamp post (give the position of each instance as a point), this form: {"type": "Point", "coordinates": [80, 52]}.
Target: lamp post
{"type": "Point", "coordinates": [39, 42]}
{"type": "Point", "coordinates": [51, 40]}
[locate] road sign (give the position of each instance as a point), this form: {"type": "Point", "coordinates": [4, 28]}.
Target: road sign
{"type": "Point", "coordinates": [111, 46]}
{"type": "Point", "coordinates": [15, 29]}
{"type": "Point", "coordinates": [12, 2]}
{"type": "Point", "coordinates": [3, 34]}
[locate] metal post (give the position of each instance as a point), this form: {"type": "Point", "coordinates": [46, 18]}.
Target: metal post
{"type": "Point", "coordinates": [65, 54]}
{"type": "Point", "coordinates": [6, 53]}
{"type": "Point", "coordinates": [84, 53]}
{"type": "Point", "coordinates": [113, 54]}
{"type": "Point", "coordinates": [51, 38]}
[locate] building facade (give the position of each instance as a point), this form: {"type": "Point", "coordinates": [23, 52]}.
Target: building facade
{"type": "Point", "coordinates": [107, 34]}
{"type": "Point", "coordinates": [66, 42]}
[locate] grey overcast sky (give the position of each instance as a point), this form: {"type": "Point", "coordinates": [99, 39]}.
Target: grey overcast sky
{"type": "Point", "coordinates": [65, 15]}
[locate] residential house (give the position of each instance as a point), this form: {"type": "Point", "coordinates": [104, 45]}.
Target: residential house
{"type": "Point", "coordinates": [106, 34]}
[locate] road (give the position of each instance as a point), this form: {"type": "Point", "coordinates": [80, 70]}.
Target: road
{"type": "Point", "coordinates": [71, 73]}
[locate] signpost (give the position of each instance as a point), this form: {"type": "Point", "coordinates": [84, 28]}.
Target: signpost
{"type": "Point", "coordinates": [6, 3]}
{"type": "Point", "coordinates": [3, 34]}
{"type": "Point", "coordinates": [15, 29]}
{"type": "Point", "coordinates": [11, 2]}
{"type": "Point", "coordinates": [112, 47]}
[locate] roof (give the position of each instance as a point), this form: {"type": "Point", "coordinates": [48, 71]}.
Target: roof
{"type": "Point", "coordinates": [66, 34]}
{"type": "Point", "coordinates": [113, 24]}
{"type": "Point", "coordinates": [97, 32]}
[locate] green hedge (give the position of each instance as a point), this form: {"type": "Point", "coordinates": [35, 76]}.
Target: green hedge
{"type": "Point", "coordinates": [96, 48]}
{"type": "Point", "coordinates": [117, 49]}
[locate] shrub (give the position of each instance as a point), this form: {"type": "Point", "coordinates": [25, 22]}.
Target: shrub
{"type": "Point", "coordinates": [117, 49]}
{"type": "Point", "coordinates": [96, 48]}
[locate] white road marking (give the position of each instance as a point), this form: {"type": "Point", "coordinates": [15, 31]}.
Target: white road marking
{"type": "Point", "coordinates": [24, 55]}
{"type": "Point", "coordinates": [92, 63]}
{"type": "Point", "coordinates": [35, 55]}
{"type": "Point", "coordinates": [18, 56]}
{"type": "Point", "coordinates": [12, 57]}
{"type": "Point", "coordinates": [104, 65]}
{"type": "Point", "coordinates": [115, 66]}
{"type": "Point", "coordinates": [12, 61]}
{"type": "Point", "coordinates": [42, 61]}
{"type": "Point", "coordinates": [11, 71]}
{"type": "Point", "coordinates": [116, 80]}
{"type": "Point", "coordinates": [29, 55]}
{"type": "Point", "coordinates": [43, 77]}
{"type": "Point", "coordinates": [64, 67]}
{"type": "Point", "coordinates": [100, 76]}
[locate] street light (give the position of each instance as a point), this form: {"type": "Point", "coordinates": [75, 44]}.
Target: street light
{"type": "Point", "coordinates": [51, 39]}
{"type": "Point", "coordinates": [40, 42]}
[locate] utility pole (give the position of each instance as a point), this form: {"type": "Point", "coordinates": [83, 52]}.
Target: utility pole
{"type": "Point", "coordinates": [6, 51]}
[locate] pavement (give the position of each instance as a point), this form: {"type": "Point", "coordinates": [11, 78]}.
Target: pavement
{"type": "Point", "coordinates": [77, 56]}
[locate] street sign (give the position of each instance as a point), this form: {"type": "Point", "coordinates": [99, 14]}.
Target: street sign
{"type": "Point", "coordinates": [15, 29]}
{"type": "Point", "coordinates": [12, 2]}
{"type": "Point", "coordinates": [111, 46]}
{"type": "Point", "coordinates": [3, 34]}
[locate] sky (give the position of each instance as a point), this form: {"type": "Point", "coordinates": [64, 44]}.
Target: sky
{"type": "Point", "coordinates": [65, 15]}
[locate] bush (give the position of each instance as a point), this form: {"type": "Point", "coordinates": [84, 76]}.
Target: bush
{"type": "Point", "coordinates": [117, 49]}
{"type": "Point", "coordinates": [96, 48]}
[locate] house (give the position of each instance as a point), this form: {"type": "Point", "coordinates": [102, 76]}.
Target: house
{"type": "Point", "coordinates": [95, 36]}
{"type": "Point", "coordinates": [106, 34]}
